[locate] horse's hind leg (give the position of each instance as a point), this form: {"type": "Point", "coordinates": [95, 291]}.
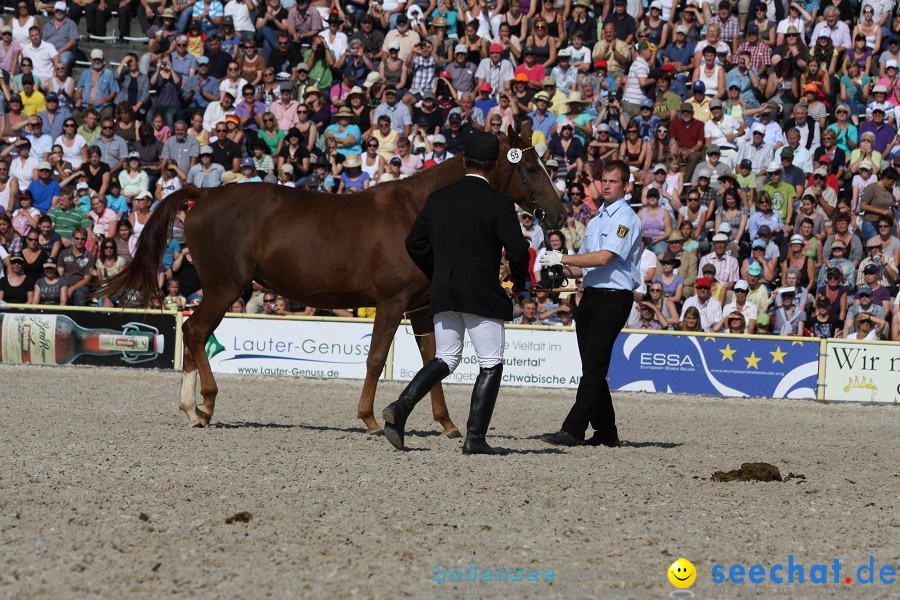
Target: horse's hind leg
{"type": "Point", "coordinates": [423, 327]}
{"type": "Point", "coordinates": [197, 331]}
{"type": "Point", "coordinates": [387, 318]}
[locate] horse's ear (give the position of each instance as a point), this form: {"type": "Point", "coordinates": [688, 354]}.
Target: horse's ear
{"type": "Point", "coordinates": [526, 131]}
{"type": "Point", "coordinates": [513, 136]}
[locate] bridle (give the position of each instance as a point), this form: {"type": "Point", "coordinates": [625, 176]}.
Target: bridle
{"type": "Point", "coordinates": [539, 214]}
{"type": "Point", "coordinates": [557, 278]}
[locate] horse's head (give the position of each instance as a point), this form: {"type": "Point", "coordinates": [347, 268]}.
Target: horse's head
{"type": "Point", "coordinates": [526, 182]}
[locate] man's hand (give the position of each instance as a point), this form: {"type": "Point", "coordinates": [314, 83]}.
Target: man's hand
{"type": "Point", "coordinates": [551, 259]}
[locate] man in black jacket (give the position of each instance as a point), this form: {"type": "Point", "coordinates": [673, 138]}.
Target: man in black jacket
{"type": "Point", "coordinates": [457, 241]}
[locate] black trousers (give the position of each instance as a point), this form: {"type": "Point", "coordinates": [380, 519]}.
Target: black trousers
{"type": "Point", "coordinates": [601, 315]}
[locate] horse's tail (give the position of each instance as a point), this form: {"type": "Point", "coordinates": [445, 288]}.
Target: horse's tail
{"type": "Point", "coordinates": [141, 275]}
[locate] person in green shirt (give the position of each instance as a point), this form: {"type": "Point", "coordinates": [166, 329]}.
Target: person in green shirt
{"type": "Point", "coordinates": [90, 129]}
{"type": "Point", "coordinates": [782, 194]}
{"type": "Point", "coordinates": [66, 216]}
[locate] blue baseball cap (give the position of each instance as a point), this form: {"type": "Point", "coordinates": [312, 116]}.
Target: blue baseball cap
{"type": "Point", "coordinates": [758, 244]}
{"type": "Point", "coordinates": [247, 162]}
{"type": "Point", "coordinates": [698, 86]}
{"type": "Point", "coordinates": [754, 270]}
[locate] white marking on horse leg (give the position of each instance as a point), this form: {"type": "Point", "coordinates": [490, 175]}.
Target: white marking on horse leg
{"type": "Point", "coordinates": [189, 395]}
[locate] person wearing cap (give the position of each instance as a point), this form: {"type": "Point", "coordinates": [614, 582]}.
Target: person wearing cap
{"type": "Point", "coordinates": [727, 268]}
{"type": "Point", "coordinates": [31, 97]}
{"type": "Point", "coordinates": [462, 71]}
{"type": "Point", "coordinates": [372, 39]}
{"type": "Point", "coordinates": [789, 318]}
{"type": "Point", "coordinates": [609, 262]}
{"type": "Point", "coordinates": [439, 152]}
{"type": "Point", "coordinates": [625, 24]}
{"type": "Point", "coordinates": [402, 34]}
{"type": "Point", "coordinates": [565, 73]}
{"type": "Point", "coordinates": [758, 152]}
{"type": "Point", "coordinates": [836, 255]}
{"type": "Point", "coordinates": [688, 269]}
{"type": "Point", "coordinates": [679, 55]}
{"type": "Point", "coordinates": [495, 70]}
{"type": "Point", "coordinates": [398, 112]}
{"type": "Point", "coordinates": [639, 78]}
{"type": "Point", "coordinates": [616, 52]}
{"type": "Point", "coordinates": [722, 130]}
{"type": "Point", "coordinates": [52, 289]}
{"type": "Point", "coordinates": [132, 178]}
{"type": "Point", "coordinates": [878, 270]}
{"type": "Point", "coordinates": [688, 134]}
{"type": "Point", "coordinates": [758, 51]}
{"type": "Point", "coordinates": [74, 265]}
{"type": "Point", "coordinates": [96, 88]}
{"type": "Point", "coordinates": [44, 190]}
{"type": "Point", "coordinates": [15, 287]}
{"type": "Point", "coordinates": [781, 193]}
{"type": "Point", "coordinates": [823, 324]}
{"type": "Point", "coordinates": [465, 299]}
{"type": "Point", "coordinates": [865, 305]}
{"type": "Point", "coordinates": [62, 33]}
{"type": "Point", "coordinates": [531, 70]}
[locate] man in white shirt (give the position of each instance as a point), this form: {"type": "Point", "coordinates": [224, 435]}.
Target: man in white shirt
{"type": "Point", "coordinates": [217, 111]}
{"type": "Point", "coordinates": [638, 79]}
{"type": "Point", "coordinates": [710, 308]}
{"type": "Point", "coordinates": [43, 54]}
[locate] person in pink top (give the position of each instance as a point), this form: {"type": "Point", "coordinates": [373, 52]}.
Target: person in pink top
{"type": "Point", "coordinates": [285, 108]}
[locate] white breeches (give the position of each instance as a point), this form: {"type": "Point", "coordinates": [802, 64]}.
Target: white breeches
{"type": "Point", "coordinates": [487, 335]}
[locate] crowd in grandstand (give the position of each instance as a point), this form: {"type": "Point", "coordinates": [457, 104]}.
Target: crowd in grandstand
{"type": "Point", "coordinates": [762, 137]}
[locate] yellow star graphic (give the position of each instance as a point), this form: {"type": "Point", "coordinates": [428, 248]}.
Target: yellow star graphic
{"type": "Point", "coordinates": [778, 355]}
{"type": "Point", "coordinates": [752, 361]}
{"type": "Point", "coordinates": [728, 353]}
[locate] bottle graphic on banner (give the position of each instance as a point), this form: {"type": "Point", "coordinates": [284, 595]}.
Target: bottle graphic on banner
{"type": "Point", "coordinates": [41, 339]}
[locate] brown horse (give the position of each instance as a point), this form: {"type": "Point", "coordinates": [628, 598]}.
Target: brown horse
{"type": "Point", "coordinates": [323, 250]}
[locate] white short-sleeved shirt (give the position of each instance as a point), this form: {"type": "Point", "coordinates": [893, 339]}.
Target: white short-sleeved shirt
{"type": "Point", "coordinates": [750, 312]}
{"type": "Point", "coordinates": [616, 228]}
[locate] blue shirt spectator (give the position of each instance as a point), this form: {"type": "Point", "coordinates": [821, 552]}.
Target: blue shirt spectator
{"type": "Point", "coordinates": [43, 194]}
{"type": "Point", "coordinates": [96, 87]}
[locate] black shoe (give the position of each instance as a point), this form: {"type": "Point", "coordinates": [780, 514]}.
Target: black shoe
{"type": "Point", "coordinates": [396, 413]}
{"type": "Point", "coordinates": [484, 397]}
{"type": "Point", "coordinates": [561, 438]}
{"type": "Point", "coordinates": [608, 442]}
{"type": "Point", "coordinates": [474, 446]}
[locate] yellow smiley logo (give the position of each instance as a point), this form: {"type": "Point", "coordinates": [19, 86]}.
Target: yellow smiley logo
{"type": "Point", "coordinates": [682, 573]}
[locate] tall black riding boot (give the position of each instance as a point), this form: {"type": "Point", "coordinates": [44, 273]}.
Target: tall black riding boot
{"type": "Point", "coordinates": [396, 413]}
{"type": "Point", "coordinates": [484, 397]}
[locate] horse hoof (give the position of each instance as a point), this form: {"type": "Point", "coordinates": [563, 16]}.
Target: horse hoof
{"type": "Point", "coordinates": [451, 433]}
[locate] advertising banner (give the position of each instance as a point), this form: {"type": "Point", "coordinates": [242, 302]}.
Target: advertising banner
{"type": "Point", "coordinates": [111, 338]}
{"type": "Point", "coordinates": [862, 372]}
{"type": "Point", "coordinates": [716, 366]}
{"type": "Point", "coordinates": [290, 347]}
{"type": "Point", "coordinates": [533, 358]}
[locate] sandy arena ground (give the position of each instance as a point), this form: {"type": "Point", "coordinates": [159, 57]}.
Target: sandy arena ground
{"type": "Point", "coordinates": [86, 452]}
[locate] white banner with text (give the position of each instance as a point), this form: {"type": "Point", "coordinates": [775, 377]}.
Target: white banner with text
{"type": "Point", "coordinates": [290, 347]}
{"type": "Point", "coordinates": [862, 372]}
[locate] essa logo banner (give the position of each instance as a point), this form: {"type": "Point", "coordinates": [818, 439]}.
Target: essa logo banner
{"type": "Point", "coordinates": [718, 366]}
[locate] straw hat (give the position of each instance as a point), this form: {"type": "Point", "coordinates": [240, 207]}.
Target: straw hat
{"type": "Point", "coordinates": [344, 112]}
{"type": "Point", "coordinates": [576, 98]}
{"type": "Point", "coordinates": [230, 177]}
{"type": "Point", "coordinates": [351, 161]}
{"type": "Point", "coordinates": [356, 91]}
{"type": "Point", "coordinates": [312, 90]}
{"type": "Point", "coordinates": [385, 177]}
